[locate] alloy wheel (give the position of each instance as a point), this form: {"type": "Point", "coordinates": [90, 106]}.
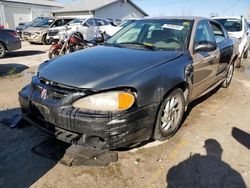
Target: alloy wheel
{"type": "Point", "coordinates": [171, 114]}
{"type": "Point", "coordinates": [1, 50]}
{"type": "Point", "coordinates": [230, 73]}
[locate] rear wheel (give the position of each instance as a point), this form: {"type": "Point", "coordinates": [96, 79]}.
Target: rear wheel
{"type": "Point", "coordinates": [2, 50]}
{"type": "Point", "coordinates": [246, 54]}
{"type": "Point", "coordinates": [170, 115]}
{"type": "Point", "coordinates": [229, 76]}
{"type": "Point", "coordinates": [238, 62]}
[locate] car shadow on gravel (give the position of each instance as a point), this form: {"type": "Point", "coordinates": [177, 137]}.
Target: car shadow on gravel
{"type": "Point", "coordinates": [27, 153]}
{"type": "Point", "coordinates": [23, 53]}
{"type": "Point", "coordinates": [11, 69]}
{"type": "Point", "coordinates": [241, 136]}
{"type": "Point", "coordinates": [205, 170]}
{"type": "Point", "coordinates": [20, 167]}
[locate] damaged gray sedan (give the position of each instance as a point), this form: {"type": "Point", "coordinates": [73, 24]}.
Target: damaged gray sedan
{"type": "Point", "coordinates": [135, 87]}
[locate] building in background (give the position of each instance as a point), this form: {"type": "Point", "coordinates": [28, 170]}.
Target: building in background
{"type": "Point", "coordinates": [12, 12]}
{"type": "Point", "coordinates": [114, 9]}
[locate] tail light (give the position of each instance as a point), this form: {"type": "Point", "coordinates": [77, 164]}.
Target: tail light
{"type": "Point", "coordinates": [13, 34]}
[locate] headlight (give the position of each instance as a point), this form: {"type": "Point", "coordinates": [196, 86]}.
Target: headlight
{"type": "Point", "coordinates": [36, 33]}
{"type": "Point", "coordinates": [61, 31]}
{"type": "Point", "coordinates": [109, 101]}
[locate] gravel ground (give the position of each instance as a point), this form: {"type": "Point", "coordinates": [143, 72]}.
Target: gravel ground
{"type": "Point", "coordinates": [211, 148]}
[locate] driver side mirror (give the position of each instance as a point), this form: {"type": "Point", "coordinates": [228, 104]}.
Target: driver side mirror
{"type": "Point", "coordinates": [205, 46]}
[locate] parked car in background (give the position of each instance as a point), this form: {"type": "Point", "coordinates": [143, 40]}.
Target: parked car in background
{"type": "Point", "coordinates": [237, 27]}
{"type": "Point", "coordinates": [37, 33]}
{"type": "Point", "coordinates": [135, 87]}
{"type": "Point", "coordinates": [88, 28]}
{"type": "Point", "coordinates": [249, 32]}
{"type": "Point", "coordinates": [54, 34]}
{"type": "Point", "coordinates": [8, 41]}
{"type": "Point", "coordinates": [1, 26]}
{"type": "Point", "coordinates": [110, 30]}
{"type": "Point", "coordinates": [22, 26]}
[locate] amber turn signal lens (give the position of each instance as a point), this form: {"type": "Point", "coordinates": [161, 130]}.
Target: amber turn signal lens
{"type": "Point", "coordinates": [126, 100]}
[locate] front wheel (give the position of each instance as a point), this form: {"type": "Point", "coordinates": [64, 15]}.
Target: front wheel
{"type": "Point", "coordinates": [170, 115]}
{"type": "Point", "coordinates": [46, 41]}
{"type": "Point", "coordinates": [2, 50]}
{"type": "Point", "coordinates": [229, 76]}
{"type": "Point", "coordinates": [54, 53]}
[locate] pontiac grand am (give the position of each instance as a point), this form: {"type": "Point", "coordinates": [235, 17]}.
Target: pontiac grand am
{"type": "Point", "coordinates": [135, 87]}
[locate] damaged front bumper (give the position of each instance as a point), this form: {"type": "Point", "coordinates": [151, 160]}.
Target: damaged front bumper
{"type": "Point", "coordinates": [50, 108]}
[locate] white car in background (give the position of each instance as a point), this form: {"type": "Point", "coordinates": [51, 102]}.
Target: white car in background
{"type": "Point", "coordinates": [237, 27]}
{"type": "Point", "coordinates": [110, 30]}
{"type": "Point", "coordinates": [54, 33]}
{"type": "Point", "coordinates": [89, 28]}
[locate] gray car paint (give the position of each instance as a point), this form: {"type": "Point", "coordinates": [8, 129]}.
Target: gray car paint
{"type": "Point", "coordinates": [10, 42]}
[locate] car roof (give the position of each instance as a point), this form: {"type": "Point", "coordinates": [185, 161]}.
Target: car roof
{"type": "Point", "coordinates": [193, 18]}
{"type": "Point", "coordinates": [226, 17]}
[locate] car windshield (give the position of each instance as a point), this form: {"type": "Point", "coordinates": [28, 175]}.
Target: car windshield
{"type": "Point", "coordinates": [43, 23]}
{"type": "Point", "coordinates": [170, 35]}
{"type": "Point", "coordinates": [76, 21]}
{"type": "Point", "coordinates": [231, 24]}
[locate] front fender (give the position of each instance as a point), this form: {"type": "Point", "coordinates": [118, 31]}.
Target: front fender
{"type": "Point", "coordinates": [154, 84]}
{"type": "Point", "coordinates": [55, 47]}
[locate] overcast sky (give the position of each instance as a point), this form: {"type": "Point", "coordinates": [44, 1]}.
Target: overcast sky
{"type": "Point", "coordinates": [192, 7]}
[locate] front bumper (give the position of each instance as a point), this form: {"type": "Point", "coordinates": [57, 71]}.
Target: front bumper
{"type": "Point", "coordinates": [32, 38]}
{"type": "Point", "coordinates": [91, 129]}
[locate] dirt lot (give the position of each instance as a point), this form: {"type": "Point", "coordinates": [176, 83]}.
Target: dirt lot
{"type": "Point", "coordinates": [219, 121]}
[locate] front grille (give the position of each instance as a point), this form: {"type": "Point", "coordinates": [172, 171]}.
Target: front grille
{"type": "Point", "coordinates": [26, 33]}
{"type": "Point", "coordinates": [53, 33]}
{"type": "Point", "coordinates": [49, 92]}
{"type": "Point", "coordinates": [52, 95]}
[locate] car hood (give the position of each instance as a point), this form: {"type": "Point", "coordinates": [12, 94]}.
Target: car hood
{"type": "Point", "coordinates": [238, 35]}
{"type": "Point", "coordinates": [103, 67]}
{"type": "Point", "coordinates": [36, 29]}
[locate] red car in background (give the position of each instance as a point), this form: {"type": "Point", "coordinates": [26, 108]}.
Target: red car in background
{"type": "Point", "coordinates": [1, 26]}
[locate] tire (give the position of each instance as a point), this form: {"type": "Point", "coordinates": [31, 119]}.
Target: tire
{"type": "Point", "coordinates": [238, 62]}
{"type": "Point", "coordinates": [2, 50]}
{"type": "Point", "coordinates": [53, 54]}
{"type": "Point", "coordinates": [246, 54]}
{"type": "Point", "coordinates": [229, 76]}
{"type": "Point", "coordinates": [46, 41]}
{"type": "Point", "coordinates": [169, 119]}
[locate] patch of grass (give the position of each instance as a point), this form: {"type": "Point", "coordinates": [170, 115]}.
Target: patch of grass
{"type": "Point", "coordinates": [12, 73]}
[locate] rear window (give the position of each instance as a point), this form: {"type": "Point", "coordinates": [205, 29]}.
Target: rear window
{"type": "Point", "coordinates": [231, 24]}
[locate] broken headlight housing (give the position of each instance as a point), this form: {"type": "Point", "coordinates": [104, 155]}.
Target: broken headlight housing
{"type": "Point", "coordinates": [107, 101]}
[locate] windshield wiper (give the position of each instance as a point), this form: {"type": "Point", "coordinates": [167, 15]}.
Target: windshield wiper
{"type": "Point", "coordinates": [151, 47]}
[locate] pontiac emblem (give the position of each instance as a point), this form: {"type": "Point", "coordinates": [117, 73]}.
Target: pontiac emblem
{"type": "Point", "coordinates": [43, 93]}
